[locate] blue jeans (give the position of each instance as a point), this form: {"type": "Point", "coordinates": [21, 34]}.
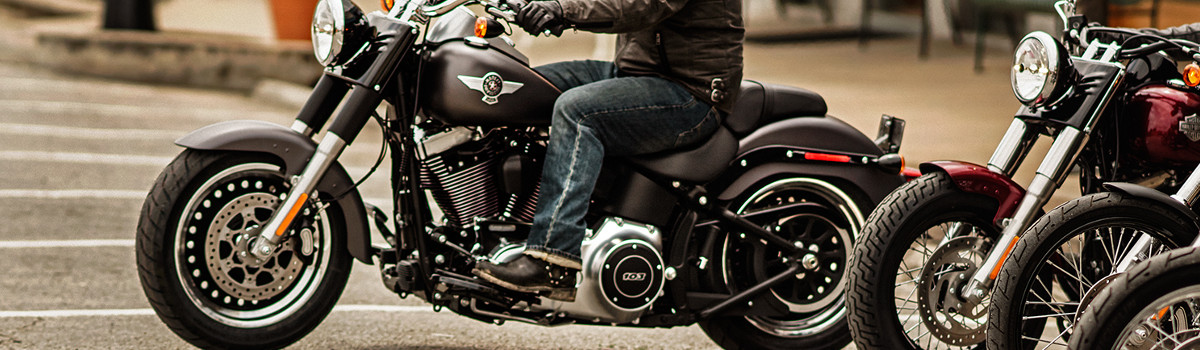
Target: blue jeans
{"type": "Point", "coordinates": [600, 114]}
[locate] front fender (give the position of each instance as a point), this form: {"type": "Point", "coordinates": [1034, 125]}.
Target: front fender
{"type": "Point", "coordinates": [1150, 194]}
{"type": "Point", "coordinates": [294, 149]}
{"type": "Point", "coordinates": [978, 179]}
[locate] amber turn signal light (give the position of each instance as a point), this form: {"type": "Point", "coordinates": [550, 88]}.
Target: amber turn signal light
{"type": "Point", "coordinates": [488, 28]}
{"type": "Point", "coordinates": [1191, 74]}
{"type": "Point", "coordinates": [387, 4]}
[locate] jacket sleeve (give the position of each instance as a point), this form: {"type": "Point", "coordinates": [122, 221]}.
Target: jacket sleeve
{"type": "Point", "coordinates": [618, 16]}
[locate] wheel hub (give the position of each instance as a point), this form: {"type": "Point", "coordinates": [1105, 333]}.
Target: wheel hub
{"type": "Point", "coordinates": [227, 255]}
{"type": "Point", "coordinates": [941, 306]}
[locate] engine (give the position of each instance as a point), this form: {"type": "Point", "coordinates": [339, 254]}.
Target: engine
{"type": "Point", "coordinates": [493, 177]}
{"type": "Point", "coordinates": [623, 273]}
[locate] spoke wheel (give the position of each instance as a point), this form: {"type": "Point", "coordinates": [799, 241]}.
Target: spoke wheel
{"type": "Point", "coordinates": [1155, 305]}
{"type": "Point", "coordinates": [1067, 258]}
{"type": "Point", "coordinates": [916, 251]}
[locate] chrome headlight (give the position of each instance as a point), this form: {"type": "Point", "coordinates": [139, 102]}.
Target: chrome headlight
{"type": "Point", "coordinates": [337, 29]}
{"type": "Point", "coordinates": [1039, 67]}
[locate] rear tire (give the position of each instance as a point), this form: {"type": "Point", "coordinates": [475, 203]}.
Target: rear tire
{"type": "Point", "coordinates": [822, 216]}
{"type": "Point", "coordinates": [196, 219]}
{"type": "Point", "coordinates": [898, 240]}
{"type": "Point", "coordinates": [1067, 253]}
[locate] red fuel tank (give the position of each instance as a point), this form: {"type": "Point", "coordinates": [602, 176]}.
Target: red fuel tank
{"type": "Point", "coordinates": [1165, 124]}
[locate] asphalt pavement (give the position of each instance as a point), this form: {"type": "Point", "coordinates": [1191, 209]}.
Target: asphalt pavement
{"type": "Point", "coordinates": [77, 156]}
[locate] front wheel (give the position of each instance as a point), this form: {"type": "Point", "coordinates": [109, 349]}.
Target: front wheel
{"type": "Point", "coordinates": [1154, 305]}
{"type": "Point", "coordinates": [822, 217]}
{"type": "Point", "coordinates": [1069, 255]}
{"type": "Point", "coordinates": [923, 241]}
{"type": "Point", "coordinates": [196, 225]}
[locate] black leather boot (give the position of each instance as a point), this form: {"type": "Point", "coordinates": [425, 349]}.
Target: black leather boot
{"type": "Point", "coordinates": [531, 275]}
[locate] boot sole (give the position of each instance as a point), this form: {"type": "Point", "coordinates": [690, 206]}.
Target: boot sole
{"type": "Point", "coordinates": [561, 294]}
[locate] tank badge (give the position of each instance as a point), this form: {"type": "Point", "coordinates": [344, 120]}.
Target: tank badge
{"type": "Point", "coordinates": [491, 85]}
{"type": "Point", "coordinates": [1190, 126]}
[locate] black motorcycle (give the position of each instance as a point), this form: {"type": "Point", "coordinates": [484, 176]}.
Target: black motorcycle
{"type": "Point", "coordinates": [246, 238]}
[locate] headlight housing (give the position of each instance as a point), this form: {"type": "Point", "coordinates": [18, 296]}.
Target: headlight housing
{"type": "Point", "coordinates": [338, 29]}
{"type": "Point", "coordinates": [1040, 66]}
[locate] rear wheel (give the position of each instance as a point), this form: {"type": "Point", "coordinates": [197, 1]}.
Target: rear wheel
{"type": "Point", "coordinates": [824, 219]}
{"type": "Point", "coordinates": [925, 239]}
{"type": "Point", "coordinates": [1068, 256]}
{"type": "Point", "coordinates": [196, 226]}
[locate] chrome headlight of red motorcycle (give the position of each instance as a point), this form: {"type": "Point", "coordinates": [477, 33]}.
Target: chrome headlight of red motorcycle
{"type": "Point", "coordinates": [337, 31]}
{"type": "Point", "coordinates": [1039, 67]}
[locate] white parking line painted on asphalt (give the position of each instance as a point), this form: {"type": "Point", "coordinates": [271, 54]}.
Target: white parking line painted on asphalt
{"type": "Point", "coordinates": [150, 312]}
{"type": "Point", "coordinates": [87, 158]}
{"type": "Point", "coordinates": [87, 133]}
{"type": "Point", "coordinates": [109, 194]}
{"type": "Point", "coordinates": [72, 194]}
{"type": "Point", "coordinates": [116, 159]}
{"type": "Point", "coordinates": [104, 110]}
{"type": "Point", "coordinates": [80, 243]}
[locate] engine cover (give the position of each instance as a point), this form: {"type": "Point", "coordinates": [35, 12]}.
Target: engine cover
{"type": "Point", "coordinates": [622, 273]}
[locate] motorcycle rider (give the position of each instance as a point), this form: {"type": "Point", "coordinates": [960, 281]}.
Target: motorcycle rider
{"type": "Point", "coordinates": [678, 69]}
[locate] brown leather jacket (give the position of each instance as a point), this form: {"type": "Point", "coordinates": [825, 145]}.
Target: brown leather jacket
{"type": "Point", "coordinates": [696, 43]}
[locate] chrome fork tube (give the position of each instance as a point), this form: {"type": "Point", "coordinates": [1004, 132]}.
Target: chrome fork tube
{"type": "Point", "coordinates": [1050, 173]}
{"type": "Point", "coordinates": [1012, 148]}
{"type": "Point", "coordinates": [302, 185]}
{"type": "Point", "coordinates": [1005, 160]}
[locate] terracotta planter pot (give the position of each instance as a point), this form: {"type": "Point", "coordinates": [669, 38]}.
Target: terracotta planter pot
{"type": "Point", "coordinates": [293, 18]}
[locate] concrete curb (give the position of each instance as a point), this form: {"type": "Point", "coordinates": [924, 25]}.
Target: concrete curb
{"type": "Point", "coordinates": [182, 58]}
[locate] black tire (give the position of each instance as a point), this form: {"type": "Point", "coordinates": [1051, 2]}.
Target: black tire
{"type": "Point", "coordinates": [1165, 282]}
{"type": "Point", "coordinates": [1064, 255]}
{"type": "Point", "coordinates": [251, 304]}
{"type": "Point", "coordinates": [828, 217]}
{"type": "Point", "coordinates": [911, 216]}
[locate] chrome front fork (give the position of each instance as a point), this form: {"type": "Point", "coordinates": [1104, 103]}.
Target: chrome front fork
{"type": "Point", "coordinates": [1050, 174]}
{"type": "Point", "coordinates": [303, 185]}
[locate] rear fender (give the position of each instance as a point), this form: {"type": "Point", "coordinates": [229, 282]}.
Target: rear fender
{"type": "Point", "coordinates": [972, 178]}
{"type": "Point", "coordinates": [778, 149]}
{"type": "Point", "coordinates": [294, 149]}
{"type": "Point", "coordinates": [1150, 194]}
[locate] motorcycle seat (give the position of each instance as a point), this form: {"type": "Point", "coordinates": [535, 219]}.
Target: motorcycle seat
{"type": "Point", "coordinates": [699, 164]}
{"type": "Point", "coordinates": [760, 104]}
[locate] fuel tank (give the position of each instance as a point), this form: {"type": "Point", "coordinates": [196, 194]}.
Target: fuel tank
{"type": "Point", "coordinates": [1165, 124]}
{"type": "Point", "coordinates": [471, 81]}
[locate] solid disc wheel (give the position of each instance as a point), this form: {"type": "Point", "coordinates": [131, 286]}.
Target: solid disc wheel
{"type": "Point", "coordinates": [1154, 305]}
{"type": "Point", "coordinates": [1066, 258]}
{"type": "Point", "coordinates": [916, 250]}
{"type": "Point", "coordinates": [810, 212]}
{"type": "Point", "coordinates": [197, 225]}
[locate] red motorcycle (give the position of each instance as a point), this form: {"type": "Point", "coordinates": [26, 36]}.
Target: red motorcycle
{"type": "Point", "coordinates": [922, 272]}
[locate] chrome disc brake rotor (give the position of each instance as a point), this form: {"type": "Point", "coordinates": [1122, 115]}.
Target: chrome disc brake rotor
{"type": "Point", "coordinates": [227, 245]}
{"type": "Point", "coordinates": [941, 309]}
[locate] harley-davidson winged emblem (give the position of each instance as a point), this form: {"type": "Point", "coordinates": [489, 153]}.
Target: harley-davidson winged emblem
{"type": "Point", "coordinates": [1190, 127]}
{"type": "Point", "coordinates": [491, 85]}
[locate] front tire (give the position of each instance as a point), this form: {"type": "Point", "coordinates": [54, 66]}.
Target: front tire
{"type": "Point", "coordinates": [199, 217]}
{"type": "Point", "coordinates": [821, 216]}
{"type": "Point", "coordinates": [1151, 306]}
{"type": "Point", "coordinates": [1067, 253]}
{"type": "Point", "coordinates": [890, 304]}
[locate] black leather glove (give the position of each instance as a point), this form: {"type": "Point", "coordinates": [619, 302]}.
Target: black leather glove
{"type": "Point", "coordinates": [538, 17]}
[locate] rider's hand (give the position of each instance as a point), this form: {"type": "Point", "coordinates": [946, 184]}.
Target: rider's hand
{"type": "Point", "coordinates": [538, 17]}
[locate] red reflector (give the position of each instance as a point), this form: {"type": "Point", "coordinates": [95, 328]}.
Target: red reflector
{"type": "Point", "coordinates": [910, 173]}
{"type": "Point", "coordinates": [827, 157]}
